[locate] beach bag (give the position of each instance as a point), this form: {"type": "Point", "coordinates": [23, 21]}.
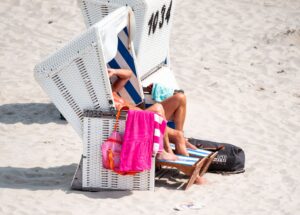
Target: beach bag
{"type": "Point", "coordinates": [229, 160]}
{"type": "Point", "coordinates": [111, 148]}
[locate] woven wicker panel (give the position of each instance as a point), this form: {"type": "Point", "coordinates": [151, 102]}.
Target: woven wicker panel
{"type": "Point", "coordinates": [96, 11]}
{"type": "Point", "coordinates": [75, 78]}
{"type": "Point", "coordinates": [96, 130]}
{"type": "Point", "coordinates": [151, 40]}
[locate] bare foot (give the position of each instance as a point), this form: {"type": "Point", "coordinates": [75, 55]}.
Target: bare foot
{"type": "Point", "coordinates": [200, 180]}
{"type": "Point", "coordinates": [166, 156]}
{"type": "Point", "coordinates": [189, 145]}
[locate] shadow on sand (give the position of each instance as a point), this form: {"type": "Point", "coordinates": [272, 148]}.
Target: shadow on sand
{"type": "Point", "coordinates": [53, 178]}
{"type": "Point", "coordinates": [60, 178]}
{"type": "Point", "coordinates": [29, 113]}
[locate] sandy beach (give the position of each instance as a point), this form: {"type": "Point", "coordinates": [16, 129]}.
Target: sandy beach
{"type": "Point", "coordinates": [239, 64]}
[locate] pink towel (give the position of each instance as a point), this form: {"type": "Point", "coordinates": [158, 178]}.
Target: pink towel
{"type": "Point", "coordinates": [143, 132]}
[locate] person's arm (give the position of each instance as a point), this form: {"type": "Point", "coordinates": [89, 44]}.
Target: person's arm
{"type": "Point", "coordinates": [123, 76]}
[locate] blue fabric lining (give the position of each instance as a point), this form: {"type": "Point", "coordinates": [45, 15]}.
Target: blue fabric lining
{"type": "Point", "coordinates": [126, 55]}
{"type": "Point", "coordinates": [129, 87]}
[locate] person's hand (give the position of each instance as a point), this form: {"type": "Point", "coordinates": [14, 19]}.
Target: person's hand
{"type": "Point", "coordinates": [111, 72]}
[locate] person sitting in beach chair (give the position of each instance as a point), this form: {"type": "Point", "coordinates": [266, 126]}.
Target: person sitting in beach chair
{"type": "Point", "coordinates": [172, 107]}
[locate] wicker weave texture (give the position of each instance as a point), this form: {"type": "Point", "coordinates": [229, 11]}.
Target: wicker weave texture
{"type": "Point", "coordinates": [97, 130]}
{"type": "Point", "coordinates": [152, 28]}
{"type": "Point", "coordinates": [75, 78]}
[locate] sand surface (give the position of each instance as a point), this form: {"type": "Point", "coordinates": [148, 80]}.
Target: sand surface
{"type": "Point", "coordinates": [237, 60]}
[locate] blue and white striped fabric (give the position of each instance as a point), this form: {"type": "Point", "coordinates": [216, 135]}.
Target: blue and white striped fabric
{"type": "Point", "coordinates": [182, 160]}
{"type": "Point", "coordinates": [126, 60]}
{"type": "Point", "coordinates": [197, 152]}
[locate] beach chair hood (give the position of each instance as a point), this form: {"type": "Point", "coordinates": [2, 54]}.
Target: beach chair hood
{"type": "Point", "coordinates": [110, 27]}
{"type": "Point", "coordinates": [153, 26]}
{"type": "Point", "coordinates": [75, 77]}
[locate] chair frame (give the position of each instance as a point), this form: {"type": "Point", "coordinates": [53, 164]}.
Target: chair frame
{"type": "Point", "coordinates": [151, 38]}
{"type": "Point", "coordinates": [190, 170]}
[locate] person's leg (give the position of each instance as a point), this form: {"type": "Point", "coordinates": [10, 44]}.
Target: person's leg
{"type": "Point", "coordinates": [175, 106]}
{"type": "Point", "coordinates": [167, 152]}
{"type": "Point", "coordinates": [176, 137]}
{"type": "Point", "coordinates": [167, 146]}
{"type": "Point", "coordinates": [157, 108]}
{"type": "Point", "coordinates": [175, 103]}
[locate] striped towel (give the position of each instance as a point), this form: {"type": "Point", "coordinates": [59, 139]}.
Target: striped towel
{"type": "Point", "coordinates": [143, 132]}
{"type": "Point", "coordinates": [159, 130]}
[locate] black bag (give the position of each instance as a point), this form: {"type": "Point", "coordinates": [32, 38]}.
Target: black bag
{"type": "Point", "coordinates": [229, 160]}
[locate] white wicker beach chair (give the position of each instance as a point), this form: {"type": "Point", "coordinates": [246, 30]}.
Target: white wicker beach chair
{"type": "Point", "coordinates": [75, 77]}
{"type": "Point", "coordinates": [153, 24]}
{"type": "Point", "coordinates": [151, 42]}
{"type": "Point", "coordinates": [97, 128]}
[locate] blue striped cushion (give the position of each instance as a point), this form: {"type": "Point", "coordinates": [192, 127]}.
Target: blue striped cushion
{"type": "Point", "coordinates": [183, 160]}
{"type": "Point", "coordinates": [197, 152]}
{"type": "Point", "coordinates": [124, 59]}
